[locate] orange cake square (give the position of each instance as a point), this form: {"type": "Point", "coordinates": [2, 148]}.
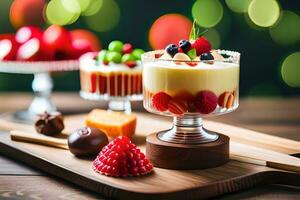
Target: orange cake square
{"type": "Point", "coordinates": [112, 123]}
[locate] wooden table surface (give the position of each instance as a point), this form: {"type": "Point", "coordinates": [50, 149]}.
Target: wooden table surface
{"type": "Point", "coordinates": [280, 117]}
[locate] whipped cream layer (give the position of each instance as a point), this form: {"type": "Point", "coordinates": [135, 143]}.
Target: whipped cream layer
{"type": "Point", "coordinates": [167, 76]}
{"type": "Point", "coordinates": [87, 63]}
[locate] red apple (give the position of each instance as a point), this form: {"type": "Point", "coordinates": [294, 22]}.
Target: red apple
{"type": "Point", "coordinates": [80, 34]}
{"type": "Point", "coordinates": [28, 32]}
{"type": "Point", "coordinates": [34, 50]}
{"type": "Point", "coordinates": [8, 47]}
{"type": "Point", "coordinates": [58, 38]}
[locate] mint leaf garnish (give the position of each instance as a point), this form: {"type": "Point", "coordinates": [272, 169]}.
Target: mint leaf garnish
{"type": "Point", "coordinates": [196, 31]}
{"type": "Point", "coordinates": [192, 54]}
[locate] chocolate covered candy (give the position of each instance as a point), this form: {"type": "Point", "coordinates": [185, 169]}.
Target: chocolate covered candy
{"type": "Point", "coordinates": [49, 123]}
{"type": "Point", "coordinates": [87, 141]}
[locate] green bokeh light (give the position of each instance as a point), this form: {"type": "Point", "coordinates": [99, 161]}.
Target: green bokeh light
{"type": "Point", "coordinates": [239, 6]}
{"type": "Point", "coordinates": [287, 30]}
{"type": "Point", "coordinates": [264, 89]}
{"type": "Point", "coordinates": [83, 4]}
{"type": "Point", "coordinates": [106, 18]}
{"type": "Point", "coordinates": [290, 70]}
{"type": "Point", "coordinates": [208, 13]}
{"type": "Point", "coordinates": [62, 12]}
{"type": "Point", "coordinates": [264, 13]}
{"type": "Point", "coordinates": [214, 38]}
{"type": "Point", "coordinates": [93, 7]}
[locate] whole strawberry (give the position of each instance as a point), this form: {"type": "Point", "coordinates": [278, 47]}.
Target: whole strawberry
{"type": "Point", "coordinates": [201, 45]}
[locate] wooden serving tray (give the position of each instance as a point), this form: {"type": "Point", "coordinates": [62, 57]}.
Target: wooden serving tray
{"type": "Point", "coordinates": [163, 183]}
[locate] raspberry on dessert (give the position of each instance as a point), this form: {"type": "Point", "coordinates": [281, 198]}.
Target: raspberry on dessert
{"type": "Point", "coordinates": [185, 45]}
{"type": "Point", "coordinates": [201, 45]}
{"type": "Point", "coordinates": [172, 49]}
{"type": "Point", "coordinates": [121, 158]}
{"type": "Point", "coordinates": [127, 48]}
{"type": "Point", "coordinates": [160, 101]}
{"type": "Point", "coordinates": [226, 100]}
{"type": "Point", "coordinates": [206, 102]}
{"type": "Point", "coordinates": [177, 107]}
{"type": "Point", "coordinates": [206, 56]}
{"type": "Point", "coordinates": [158, 55]}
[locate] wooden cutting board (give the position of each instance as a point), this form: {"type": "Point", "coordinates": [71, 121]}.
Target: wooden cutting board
{"type": "Point", "coordinates": [163, 183]}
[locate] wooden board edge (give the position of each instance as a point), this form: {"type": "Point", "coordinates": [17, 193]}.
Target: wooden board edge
{"type": "Point", "coordinates": [207, 191]}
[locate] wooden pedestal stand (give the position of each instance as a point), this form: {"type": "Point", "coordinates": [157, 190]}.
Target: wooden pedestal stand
{"type": "Point", "coordinates": [181, 156]}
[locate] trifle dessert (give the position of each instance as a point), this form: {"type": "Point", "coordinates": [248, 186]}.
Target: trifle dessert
{"type": "Point", "coordinates": [188, 81]}
{"type": "Point", "coordinates": [190, 78]}
{"type": "Point", "coordinates": [115, 72]}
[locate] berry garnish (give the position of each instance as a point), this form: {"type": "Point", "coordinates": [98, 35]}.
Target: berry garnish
{"type": "Point", "coordinates": [201, 45]}
{"type": "Point", "coordinates": [172, 49]}
{"type": "Point", "coordinates": [114, 56]}
{"type": "Point", "coordinates": [122, 158]}
{"type": "Point", "coordinates": [160, 101]}
{"type": "Point", "coordinates": [177, 107]}
{"type": "Point", "coordinates": [206, 56]}
{"type": "Point", "coordinates": [127, 57]}
{"type": "Point", "coordinates": [137, 53]}
{"type": "Point", "coordinates": [206, 102]}
{"type": "Point", "coordinates": [130, 64]}
{"type": "Point", "coordinates": [185, 45]}
{"type": "Point", "coordinates": [127, 48]}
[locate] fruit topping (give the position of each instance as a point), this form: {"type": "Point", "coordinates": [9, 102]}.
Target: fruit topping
{"type": "Point", "coordinates": [102, 56]}
{"type": "Point", "coordinates": [116, 46]}
{"type": "Point", "coordinates": [57, 38]}
{"type": "Point", "coordinates": [177, 107]}
{"type": "Point", "coordinates": [201, 45]}
{"type": "Point", "coordinates": [181, 57]}
{"type": "Point", "coordinates": [160, 101]}
{"type": "Point", "coordinates": [137, 53]}
{"type": "Point", "coordinates": [172, 49]}
{"type": "Point", "coordinates": [206, 56]}
{"type": "Point", "coordinates": [127, 48]}
{"type": "Point", "coordinates": [130, 64]}
{"type": "Point", "coordinates": [206, 102]}
{"type": "Point", "coordinates": [185, 45]}
{"type": "Point", "coordinates": [121, 158]}
{"type": "Point", "coordinates": [114, 57]}
{"type": "Point", "coordinates": [226, 100]}
{"type": "Point", "coordinates": [127, 57]}
{"type": "Point", "coordinates": [192, 54]}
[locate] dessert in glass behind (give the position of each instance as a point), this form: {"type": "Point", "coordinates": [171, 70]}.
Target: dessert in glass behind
{"type": "Point", "coordinates": [189, 90]}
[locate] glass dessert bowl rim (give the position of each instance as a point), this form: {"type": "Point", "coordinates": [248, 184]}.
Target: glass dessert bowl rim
{"type": "Point", "coordinates": [232, 57]}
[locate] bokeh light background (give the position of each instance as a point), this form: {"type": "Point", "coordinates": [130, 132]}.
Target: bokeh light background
{"type": "Point", "coordinates": [266, 32]}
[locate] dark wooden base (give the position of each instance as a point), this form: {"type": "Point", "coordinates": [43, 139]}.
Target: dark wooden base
{"type": "Point", "coordinates": [180, 156]}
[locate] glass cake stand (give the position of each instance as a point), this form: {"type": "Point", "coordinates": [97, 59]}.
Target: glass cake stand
{"type": "Point", "coordinates": [42, 85]}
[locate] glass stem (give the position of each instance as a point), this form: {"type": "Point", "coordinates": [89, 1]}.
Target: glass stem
{"type": "Point", "coordinates": [188, 130]}
{"type": "Point", "coordinates": [42, 85]}
{"type": "Point", "coordinates": [120, 106]}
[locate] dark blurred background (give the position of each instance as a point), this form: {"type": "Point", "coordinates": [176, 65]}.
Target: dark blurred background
{"type": "Point", "coordinates": [266, 32]}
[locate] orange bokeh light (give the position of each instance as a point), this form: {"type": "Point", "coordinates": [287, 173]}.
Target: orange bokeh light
{"type": "Point", "coordinates": [87, 35]}
{"type": "Point", "coordinates": [169, 28]}
{"type": "Point", "coordinates": [27, 12]}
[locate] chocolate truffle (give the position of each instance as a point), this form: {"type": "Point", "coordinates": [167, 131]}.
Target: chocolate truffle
{"type": "Point", "coordinates": [87, 141]}
{"type": "Point", "coordinates": [50, 123]}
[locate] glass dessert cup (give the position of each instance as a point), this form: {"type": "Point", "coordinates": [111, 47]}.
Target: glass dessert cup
{"type": "Point", "coordinates": [115, 83]}
{"type": "Point", "coordinates": [188, 91]}
{"type": "Point", "coordinates": [42, 85]}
